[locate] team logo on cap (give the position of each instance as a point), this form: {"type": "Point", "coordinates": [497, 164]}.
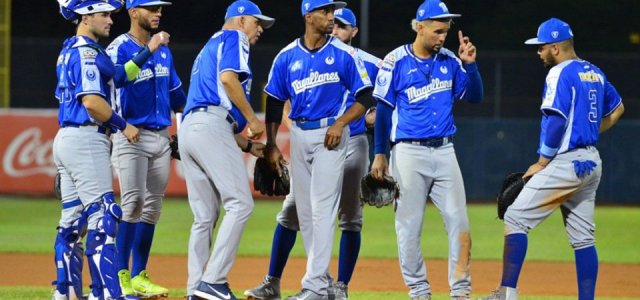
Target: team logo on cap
{"type": "Point", "coordinates": [421, 12]}
{"type": "Point", "coordinates": [554, 34]}
{"type": "Point", "coordinates": [306, 6]}
{"type": "Point", "coordinates": [241, 9]}
{"type": "Point", "coordinates": [444, 7]}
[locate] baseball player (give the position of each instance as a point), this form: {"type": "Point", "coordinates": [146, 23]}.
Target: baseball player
{"type": "Point", "coordinates": [81, 154]}
{"type": "Point", "coordinates": [148, 89]}
{"type": "Point", "coordinates": [217, 108]}
{"type": "Point", "coordinates": [416, 88]}
{"type": "Point", "coordinates": [317, 73]}
{"type": "Point", "coordinates": [578, 104]}
{"type": "Point", "coordinates": [350, 211]}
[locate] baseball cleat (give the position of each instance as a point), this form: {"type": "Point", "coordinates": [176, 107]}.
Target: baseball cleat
{"type": "Point", "coordinates": [143, 286]}
{"type": "Point", "coordinates": [269, 289]}
{"type": "Point", "coordinates": [214, 291]}
{"type": "Point", "coordinates": [503, 293]}
{"type": "Point", "coordinates": [341, 291]}
{"type": "Point", "coordinates": [306, 294]}
{"type": "Point", "coordinates": [124, 276]}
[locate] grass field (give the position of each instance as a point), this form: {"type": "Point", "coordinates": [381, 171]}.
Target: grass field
{"type": "Point", "coordinates": [28, 225]}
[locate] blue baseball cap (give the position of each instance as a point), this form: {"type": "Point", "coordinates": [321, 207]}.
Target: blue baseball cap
{"type": "Point", "coordinates": [248, 8]}
{"type": "Point", "coordinates": [142, 3]}
{"type": "Point", "coordinates": [551, 31]}
{"type": "Point", "coordinates": [72, 9]}
{"type": "Point", "coordinates": [311, 5]}
{"type": "Point", "coordinates": [434, 9]}
{"type": "Point", "coordinates": [345, 16]}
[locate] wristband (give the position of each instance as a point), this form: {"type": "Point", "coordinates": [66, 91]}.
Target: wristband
{"type": "Point", "coordinates": [116, 121]}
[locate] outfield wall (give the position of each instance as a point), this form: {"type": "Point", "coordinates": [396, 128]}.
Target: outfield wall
{"type": "Point", "coordinates": [487, 150]}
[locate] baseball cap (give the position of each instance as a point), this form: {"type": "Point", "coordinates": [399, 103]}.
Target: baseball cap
{"type": "Point", "coordinates": [73, 9]}
{"type": "Point", "coordinates": [551, 31]}
{"type": "Point", "coordinates": [311, 5]}
{"type": "Point", "coordinates": [434, 9]}
{"type": "Point", "coordinates": [139, 3]}
{"type": "Point", "coordinates": [248, 8]}
{"type": "Point", "coordinates": [345, 16]}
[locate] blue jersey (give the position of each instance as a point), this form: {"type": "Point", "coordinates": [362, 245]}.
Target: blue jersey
{"type": "Point", "coordinates": [227, 50]}
{"type": "Point", "coordinates": [371, 64]}
{"type": "Point", "coordinates": [580, 93]}
{"type": "Point", "coordinates": [78, 75]}
{"type": "Point", "coordinates": [421, 91]}
{"type": "Point", "coordinates": [317, 82]}
{"type": "Point", "coordinates": [144, 101]}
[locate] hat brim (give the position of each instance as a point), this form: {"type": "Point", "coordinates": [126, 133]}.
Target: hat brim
{"type": "Point", "coordinates": [442, 16]}
{"type": "Point", "coordinates": [265, 22]}
{"type": "Point", "coordinates": [335, 4]}
{"type": "Point", "coordinates": [343, 21]}
{"type": "Point", "coordinates": [98, 8]}
{"type": "Point", "coordinates": [152, 3]}
{"type": "Point", "coordinates": [534, 41]}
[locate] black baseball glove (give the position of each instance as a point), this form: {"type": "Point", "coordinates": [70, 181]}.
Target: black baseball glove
{"type": "Point", "coordinates": [378, 193]}
{"type": "Point", "coordinates": [56, 187]}
{"type": "Point", "coordinates": [173, 144]}
{"type": "Point", "coordinates": [267, 181]}
{"type": "Point", "coordinates": [511, 187]}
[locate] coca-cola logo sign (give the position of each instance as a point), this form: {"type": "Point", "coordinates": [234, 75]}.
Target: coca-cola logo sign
{"type": "Point", "coordinates": [27, 155]}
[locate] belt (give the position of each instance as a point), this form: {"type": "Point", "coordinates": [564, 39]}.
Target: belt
{"type": "Point", "coordinates": [315, 124]}
{"type": "Point", "coordinates": [433, 143]}
{"type": "Point", "coordinates": [100, 129]}
{"type": "Point", "coordinates": [153, 128]}
{"type": "Point", "coordinates": [229, 118]}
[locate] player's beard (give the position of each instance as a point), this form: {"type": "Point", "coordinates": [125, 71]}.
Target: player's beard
{"type": "Point", "coordinates": [146, 25]}
{"type": "Point", "coordinates": [549, 61]}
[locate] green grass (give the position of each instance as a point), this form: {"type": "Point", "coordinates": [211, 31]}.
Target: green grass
{"type": "Point", "coordinates": [20, 293]}
{"type": "Point", "coordinates": [28, 225]}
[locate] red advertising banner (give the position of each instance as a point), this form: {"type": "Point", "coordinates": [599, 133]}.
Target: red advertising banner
{"type": "Point", "coordinates": [26, 139]}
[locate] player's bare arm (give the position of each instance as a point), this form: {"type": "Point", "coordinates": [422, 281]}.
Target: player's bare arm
{"type": "Point", "coordinates": [234, 90]}
{"type": "Point", "coordinates": [467, 50]}
{"type": "Point", "coordinates": [271, 152]}
{"type": "Point", "coordinates": [334, 133]}
{"type": "Point", "coordinates": [611, 119]}
{"type": "Point", "coordinates": [99, 110]}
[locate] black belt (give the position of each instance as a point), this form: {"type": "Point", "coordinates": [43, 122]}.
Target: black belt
{"type": "Point", "coordinates": [433, 143]}
{"type": "Point", "coordinates": [229, 118]}
{"type": "Point", "coordinates": [101, 129]}
{"type": "Point", "coordinates": [153, 128]}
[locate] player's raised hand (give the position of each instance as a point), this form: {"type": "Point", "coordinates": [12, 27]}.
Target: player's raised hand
{"type": "Point", "coordinates": [466, 51]}
{"type": "Point", "coordinates": [333, 136]}
{"type": "Point", "coordinates": [159, 39]}
{"type": "Point", "coordinates": [131, 133]}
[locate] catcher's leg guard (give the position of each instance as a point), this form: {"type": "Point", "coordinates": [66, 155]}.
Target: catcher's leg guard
{"type": "Point", "coordinates": [102, 251]}
{"type": "Point", "coordinates": [68, 254]}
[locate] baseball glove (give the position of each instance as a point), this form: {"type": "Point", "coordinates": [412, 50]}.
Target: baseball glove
{"type": "Point", "coordinates": [56, 186]}
{"type": "Point", "coordinates": [378, 193]}
{"type": "Point", "coordinates": [511, 187]}
{"type": "Point", "coordinates": [267, 181]}
{"type": "Point", "coordinates": [173, 144]}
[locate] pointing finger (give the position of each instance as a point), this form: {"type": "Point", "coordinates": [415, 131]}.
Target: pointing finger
{"type": "Point", "coordinates": [461, 37]}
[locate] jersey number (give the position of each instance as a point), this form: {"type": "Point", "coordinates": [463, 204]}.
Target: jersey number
{"type": "Point", "coordinates": [593, 108]}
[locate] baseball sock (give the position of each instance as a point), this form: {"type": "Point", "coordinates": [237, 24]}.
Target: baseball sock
{"type": "Point", "coordinates": [142, 247]}
{"type": "Point", "coordinates": [124, 241]}
{"type": "Point", "coordinates": [349, 250]}
{"type": "Point", "coordinates": [283, 241]}
{"type": "Point", "coordinates": [515, 250]}
{"type": "Point", "coordinates": [587, 269]}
